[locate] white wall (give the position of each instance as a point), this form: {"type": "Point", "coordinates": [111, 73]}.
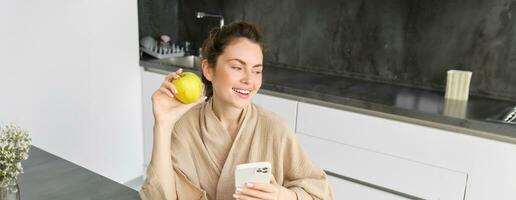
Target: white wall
{"type": "Point", "coordinates": [3, 33]}
{"type": "Point", "coordinates": [72, 79]}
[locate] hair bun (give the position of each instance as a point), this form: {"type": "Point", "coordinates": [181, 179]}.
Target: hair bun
{"type": "Point", "coordinates": [214, 32]}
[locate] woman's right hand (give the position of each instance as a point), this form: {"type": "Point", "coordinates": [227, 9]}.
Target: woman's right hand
{"type": "Point", "coordinates": [166, 108]}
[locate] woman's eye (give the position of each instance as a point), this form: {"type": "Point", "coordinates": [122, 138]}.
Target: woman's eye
{"type": "Point", "coordinates": [258, 72]}
{"type": "Point", "coordinates": [236, 68]}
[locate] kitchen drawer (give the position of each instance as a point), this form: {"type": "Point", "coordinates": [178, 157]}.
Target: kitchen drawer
{"type": "Point", "coordinates": [356, 128]}
{"type": "Point", "coordinates": [385, 171]}
{"type": "Point", "coordinates": [411, 141]}
{"type": "Point", "coordinates": [344, 189]}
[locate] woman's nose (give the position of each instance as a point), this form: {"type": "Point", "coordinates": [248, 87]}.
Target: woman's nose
{"type": "Point", "coordinates": [247, 78]}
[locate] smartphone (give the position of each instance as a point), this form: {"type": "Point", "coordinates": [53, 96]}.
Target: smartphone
{"type": "Point", "coordinates": [258, 172]}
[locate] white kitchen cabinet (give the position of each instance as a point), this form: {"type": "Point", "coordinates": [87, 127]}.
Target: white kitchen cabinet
{"type": "Point", "coordinates": [393, 173]}
{"type": "Point", "coordinates": [489, 164]}
{"type": "Point", "coordinates": [344, 189]}
{"type": "Point", "coordinates": [151, 81]}
{"type": "Point", "coordinates": [285, 108]}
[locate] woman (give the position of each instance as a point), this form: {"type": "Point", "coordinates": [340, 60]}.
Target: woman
{"type": "Point", "coordinates": [197, 146]}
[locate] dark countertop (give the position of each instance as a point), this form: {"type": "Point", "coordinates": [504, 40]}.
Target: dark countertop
{"type": "Point", "coordinates": [47, 176]}
{"type": "Point", "coordinates": [399, 102]}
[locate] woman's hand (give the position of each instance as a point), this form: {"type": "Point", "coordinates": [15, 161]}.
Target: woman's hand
{"type": "Point", "coordinates": [264, 191]}
{"type": "Point", "coordinates": [166, 108]}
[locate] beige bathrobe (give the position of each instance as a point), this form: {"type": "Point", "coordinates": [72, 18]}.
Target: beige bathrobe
{"type": "Point", "coordinates": [204, 156]}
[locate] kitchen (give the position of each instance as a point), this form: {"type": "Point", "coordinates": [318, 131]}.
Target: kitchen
{"type": "Point", "coordinates": [362, 83]}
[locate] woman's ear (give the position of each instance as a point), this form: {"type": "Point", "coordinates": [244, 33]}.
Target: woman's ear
{"type": "Point", "coordinates": [207, 71]}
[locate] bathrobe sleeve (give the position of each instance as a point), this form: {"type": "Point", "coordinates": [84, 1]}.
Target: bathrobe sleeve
{"type": "Point", "coordinates": [184, 189]}
{"type": "Point", "coordinates": [301, 175]}
{"type": "Point", "coordinates": [151, 188]}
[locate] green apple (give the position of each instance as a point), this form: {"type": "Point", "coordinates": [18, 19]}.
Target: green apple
{"type": "Point", "coordinates": [189, 87]}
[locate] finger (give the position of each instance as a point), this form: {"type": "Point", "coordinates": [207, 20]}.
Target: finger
{"type": "Point", "coordinates": [166, 92]}
{"type": "Point", "coordinates": [254, 193]}
{"type": "Point", "coordinates": [265, 187]}
{"type": "Point", "coordinates": [170, 86]}
{"type": "Point", "coordinates": [170, 76]}
{"type": "Point", "coordinates": [173, 75]}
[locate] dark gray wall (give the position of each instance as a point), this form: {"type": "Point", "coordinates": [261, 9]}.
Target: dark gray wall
{"type": "Point", "coordinates": [193, 29]}
{"type": "Point", "coordinates": [176, 18]}
{"type": "Point", "coordinates": [158, 17]}
{"type": "Point", "coordinates": [405, 42]}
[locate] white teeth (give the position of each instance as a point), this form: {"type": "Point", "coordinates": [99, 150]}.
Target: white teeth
{"type": "Point", "coordinates": [242, 91]}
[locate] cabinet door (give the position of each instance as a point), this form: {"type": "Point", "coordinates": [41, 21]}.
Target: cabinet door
{"type": "Point", "coordinates": [151, 81]}
{"type": "Point", "coordinates": [398, 175]}
{"type": "Point", "coordinates": [344, 189]}
{"type": "Point", "coordinates": [283, 107]}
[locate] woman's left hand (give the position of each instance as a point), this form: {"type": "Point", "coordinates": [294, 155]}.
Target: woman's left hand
{"type": "Point", "coordinates": [264, 191]}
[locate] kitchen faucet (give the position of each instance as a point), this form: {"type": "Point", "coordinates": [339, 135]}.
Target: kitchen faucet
{"type": "Point", "coordinates": [203, 15]}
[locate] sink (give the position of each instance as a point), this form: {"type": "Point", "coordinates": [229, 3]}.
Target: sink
{"type": "Point", "coordinates": [507, 116]}
{"type": "Point", "coordinates": [193, 62]}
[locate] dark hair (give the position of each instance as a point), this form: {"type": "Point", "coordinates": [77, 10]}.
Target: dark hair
{"type": "Point", "coordinates": [219, 39]}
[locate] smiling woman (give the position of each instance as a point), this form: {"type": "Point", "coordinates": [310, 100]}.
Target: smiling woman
{"type": "Point", "coordinates": [238, 47]}
{"type": "Point", "coordinates": [235, 75]}
{"type": "Point", "coordinates": [197, 146]}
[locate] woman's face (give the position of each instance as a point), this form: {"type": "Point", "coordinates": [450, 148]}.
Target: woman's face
{"type": "Point", "coordinates": [237, 75]}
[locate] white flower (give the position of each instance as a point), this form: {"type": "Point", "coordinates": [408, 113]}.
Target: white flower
{"type": "Point", "coordinates": [14, 147]}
